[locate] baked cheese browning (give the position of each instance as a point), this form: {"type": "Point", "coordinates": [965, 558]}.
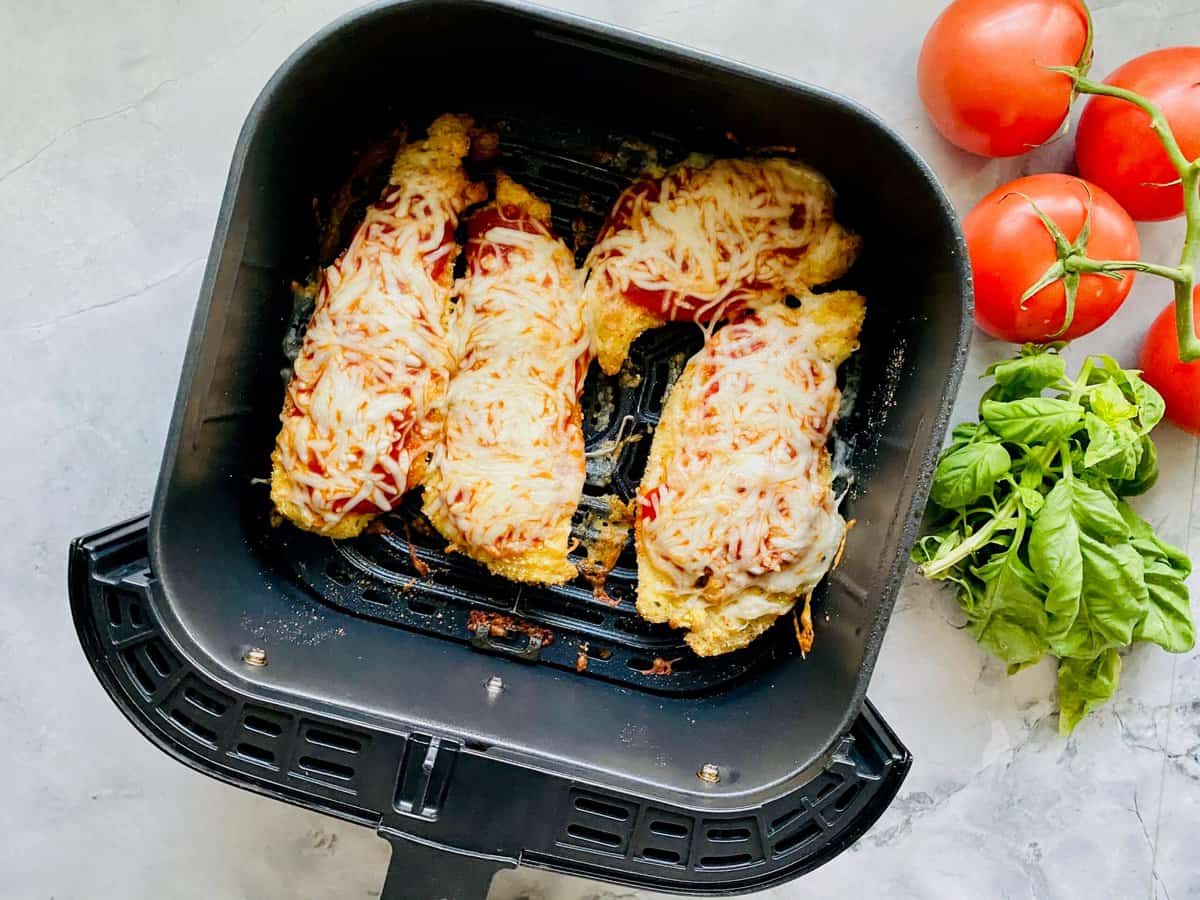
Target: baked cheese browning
{"type": "Point", "coordinates": [509, 472]}
{"type": "Point", "coordinates": [737, 517]}
{"type": "Point", "coordinates": [707, 237]}
{"type": "Point", "coordinates": [363, 408]}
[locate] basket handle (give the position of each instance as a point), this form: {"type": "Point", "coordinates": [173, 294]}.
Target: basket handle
{"type": "Point", "coordinates": [420, 871]}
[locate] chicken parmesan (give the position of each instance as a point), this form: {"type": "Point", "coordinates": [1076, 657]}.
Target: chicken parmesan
{"type": "Point", "coordinates": [736, 513]}
{"type": "Point", "coordinates": [707, 237]}
{"type": "Point", "coordinates": [508, 473]}
{"type": "Point", "coordinates": [363, 408]}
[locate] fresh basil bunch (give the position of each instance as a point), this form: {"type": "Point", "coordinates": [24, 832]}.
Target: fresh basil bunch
{"type": "Point", "coordinates": [1029, 520]}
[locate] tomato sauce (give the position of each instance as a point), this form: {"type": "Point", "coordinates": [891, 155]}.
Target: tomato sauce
{"type": "Point", "coordinates": [507, 216]}
{"type": "Point", "coordinates": [683, 308]}
{"type": "Point", "coordinates": [658, 302]}
{"type": "Point", "coordinates": [445, 262]}
{"type": "Point", "coordinates": [646, 508]}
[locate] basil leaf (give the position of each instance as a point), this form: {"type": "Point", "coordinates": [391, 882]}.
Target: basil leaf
{"type": "Point", "coordinates": [1151, 405]}
{"type": "Point", "coordinates": [1138, 527]}
{"type": "Point", "coordinates": [1149, 402]}
{"type": "Point", "coordinates": [1102, 441]}
{"type": "Point", "coordinates": [964, 433]}
{"type": "Point", "coordinates": [1068, 553]}
{"type": "Point", "coordinates": [969, 433]}
{"type": "Point", "coordinates": [1014, 668]}
{"type": "Point", "coordinates": [1083, 685]}
{"type": "Point", "coordinates": [1095, 510]}
{"type": "Point", "coordinates": [1110, 404]}
{"type": "Point", "coordinates": [1149, 544]}
{"type": "Point", "coordinates": [1113, 600]}
{"type": "Point", "coordinates": [1008, 617]}
{"type": "Point", "coordinates": [1145, 474]}
{"type": "Point", "coordinates": [1032, 500]}
{"type": "Point", "coordinates": [966, 474]}
{"type": "Point", "coordinates": [1028, 376]}
{"type": "Point", "coordinates": [1157, 548]}
{"type": "Point", "coordinates": [1113, 448]}
{"type": "Point", "coordinates": [1055, 557]}
{"type": "Point", "coordinates": [1034, 420]}
{"type": "Point", "coordinates": [1105, 368]}
{"type": "Point", "coordinates": [1168, 618]}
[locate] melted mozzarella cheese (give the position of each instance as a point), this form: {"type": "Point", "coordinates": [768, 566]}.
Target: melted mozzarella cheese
{"type": "Point", "coordinates": [509, 473]}
{"type": "Point", "coordinates": [738, 516]}
{"type": "Point", "coordinates": [705, 237]}
{"type": "Point", "coordinates": [734, 229]}
{"type": "Point", "coordinates": [363, 407]}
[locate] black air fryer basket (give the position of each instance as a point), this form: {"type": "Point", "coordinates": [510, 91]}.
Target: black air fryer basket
{"type": "Point", "coordinates": [475, 723]}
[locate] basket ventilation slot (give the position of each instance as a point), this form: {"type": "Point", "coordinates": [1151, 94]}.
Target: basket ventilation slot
{"type": "Point", "coordinates": [150, 665]}
{"type": "Point", "coordinates": [328, 755]}
{"type": "Point", "coordinates": [263, 737]}
{"type": "Point", "coordinates": [797, 838]}
{"type": "Point", "coordinates": [729, 844]}
{"type": "Point", "coordinates": [599, 823]}
{"type": "Point", "coordinates": [664, 838]}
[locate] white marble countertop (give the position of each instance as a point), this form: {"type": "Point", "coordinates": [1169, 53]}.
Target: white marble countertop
{"type": "Point", "coordinates": [118, 120]}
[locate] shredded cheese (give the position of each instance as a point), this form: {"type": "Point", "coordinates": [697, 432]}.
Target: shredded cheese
{"type": "Point", "coordinates": [509, 473]}
{"type": "Point", "coordinates": [705, 237]}
{"type": "Point", "coordinates": [363, 408]}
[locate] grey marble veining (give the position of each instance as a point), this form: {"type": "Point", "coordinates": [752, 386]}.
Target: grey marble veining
{"type": "Point", "coordinates": [117, 120]}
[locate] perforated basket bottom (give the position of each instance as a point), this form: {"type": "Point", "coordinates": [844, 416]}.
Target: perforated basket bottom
{"type": "Point", "coordinates": [580, 174]}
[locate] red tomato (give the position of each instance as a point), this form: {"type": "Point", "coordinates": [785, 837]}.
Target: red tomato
{"type": "Point", "coordinates": [1011, 249]}
{"type": "Point", "coordinates": [982, 71]}
{"type": "Point", "coordinates": [1178, 382]}
{"type": "Point", "coordinates": [1115, 146]}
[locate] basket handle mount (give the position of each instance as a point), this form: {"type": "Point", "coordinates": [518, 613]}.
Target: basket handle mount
{"type": "Point", "coordinates": [424, 871]}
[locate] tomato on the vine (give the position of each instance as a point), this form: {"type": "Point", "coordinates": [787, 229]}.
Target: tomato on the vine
{"type": "Point", "coordinates": [1115, 146]}
{"type": "Point", "coordinates": [1178, 382]}
{"type": "Point", "coordinates": [1011, 249]}
{"type": "Point", "coordinates": [983, 73]}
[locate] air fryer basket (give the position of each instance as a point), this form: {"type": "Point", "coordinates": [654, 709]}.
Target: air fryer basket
{"type": "Point", "coordinates": [382, 700]}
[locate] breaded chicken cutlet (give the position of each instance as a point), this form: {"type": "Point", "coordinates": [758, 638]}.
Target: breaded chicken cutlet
{"type": "Point", "coordinates": [363, 408]}
{"type": "Point", "coordinates": [736, 513]}
{"type": "Point", "coordinates": [508, 474]}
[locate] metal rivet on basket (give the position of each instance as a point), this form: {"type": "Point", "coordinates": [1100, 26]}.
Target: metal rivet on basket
{"type": "Point", "coordinates": [709, 772]}
{"type": "Point", "coordinates": [255, 656]}
{"type": "Point", "coordinates": [494, 685]}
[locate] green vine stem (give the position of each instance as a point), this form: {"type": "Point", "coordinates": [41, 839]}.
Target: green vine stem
{"type": "Point", "coordinates": [1183, 275]}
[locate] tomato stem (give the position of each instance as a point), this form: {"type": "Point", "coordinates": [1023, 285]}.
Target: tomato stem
{"type": "Point", "coordinates": [1183, 275]}
{"type": "Point", "coordinates": [1068, 252]}
{"type": "Point", "coordinates": [1185, 322]}
{"type": "Point", "coordinates": [1085, 55]}
{"type": "Point", "coordinates": [1158, 121]}
{"type": "Point", "coordinates": [1087, 266]}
